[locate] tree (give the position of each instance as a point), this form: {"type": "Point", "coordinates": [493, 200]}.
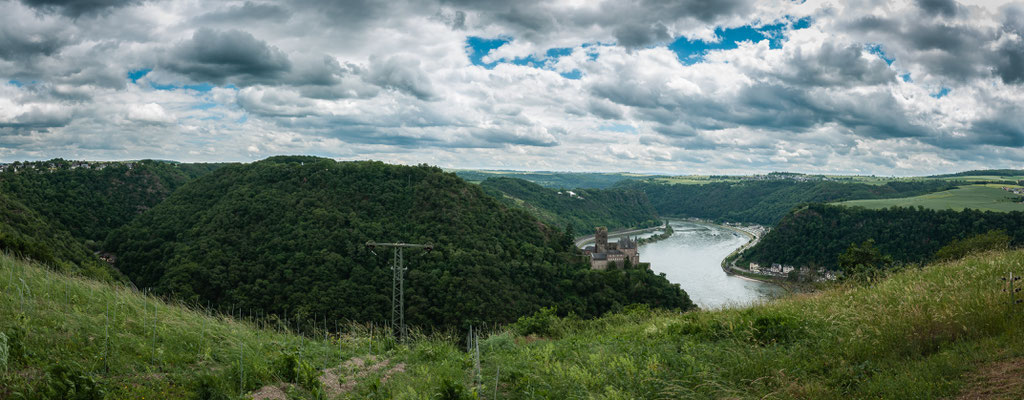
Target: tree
{"type": "Point", "coordinates": [864, 262]}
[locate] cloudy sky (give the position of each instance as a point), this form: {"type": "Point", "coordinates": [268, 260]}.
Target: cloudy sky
{"type": "Point", "coordinates": [682, 86]}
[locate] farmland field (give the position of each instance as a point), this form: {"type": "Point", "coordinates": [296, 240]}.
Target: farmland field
{"type": "Point", "coordinates": [979, 197]}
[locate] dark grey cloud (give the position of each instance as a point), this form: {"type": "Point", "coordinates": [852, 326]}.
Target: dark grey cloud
{"type": "Point", "coordinates": [836, 65]}
{"type": "Point", "coordinates": [946, 8]}
{"type": "Point", "coordinates": [402, 73]}
{"type": "Point", "coordinates": [637, 35]}
{"type": "Point", "coordinates": [16, 44]}
{"type": "Point", "coordinates": [37, 118]}
{"type": "Point", "coordinates": [1003, 128]}
{"type": "Point", "coordinates": [227, 57]}
{"type": "Point", "coordinates": [247, 12]}
{"type": "Point", "coordinates": [78, 8]}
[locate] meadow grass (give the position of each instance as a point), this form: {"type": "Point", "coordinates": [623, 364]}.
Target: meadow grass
{"type": "Point", "coordinates": [916, 334]}
{"type": "Point", "coordinates": [978, 197]}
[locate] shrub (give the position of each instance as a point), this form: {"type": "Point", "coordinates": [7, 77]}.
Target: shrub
{"type": "Point", "coordinates": [957, 249]}
{"type": "Point", "coordinates": [210, 387]}
{"type": "Point", "coordinates": [293, 369]}
{"type": "Point", "coordinates": [451, 390]}
{"type": "Point", "coordinates": [774, 328]}
{"type": "Point", "coordinates": [70, 382]}
{"type": "Point", "coordinates": [542, 323]}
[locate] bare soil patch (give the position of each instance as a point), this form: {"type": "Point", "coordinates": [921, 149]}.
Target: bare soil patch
{"type": "Point", "coordinates": [997, 380]}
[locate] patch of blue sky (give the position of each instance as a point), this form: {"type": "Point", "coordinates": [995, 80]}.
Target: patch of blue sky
{"type": "Point", "coordinates": [135, 75]}
{"type": "Point", "coordinates": [906, 77]}
{"type": "Point", "coordinates": [245, 117]}
{"type": "Point", "coordinates": [941, 93]}
{"type": "Point", "coordinates": [574, 74]}
{"type": "Point", "coordinates": [619, 128]}
{"type": "Point", "coordinates": [693, 51]}
{"type": "Point", "coordinates": [876, 49]}
{"type": "Point", "coordinates": [479, 48]}
{"type": "Point", "coordinates": [204, 106]}
{"type": "Point", "coordinates": [16, 82]}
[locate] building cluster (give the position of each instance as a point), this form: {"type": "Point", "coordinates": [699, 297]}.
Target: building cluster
{"type": "Point", "coordinates": [784, 271]}
{"type": "Point", "coordinates": [51, 166]}
{"type": "Point", "coordinates": [604, 255]}
{"type": "Point", "coordinates": [1014, 190]}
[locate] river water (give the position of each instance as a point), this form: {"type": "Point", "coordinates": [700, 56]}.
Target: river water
{"type": "Point", "coordinates": [692, 257]}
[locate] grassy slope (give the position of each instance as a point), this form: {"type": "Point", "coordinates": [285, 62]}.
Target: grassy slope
{"type": "Point", "coordinates": [979, 197]}
{"type": "Point", "coordinates": [915, 335]}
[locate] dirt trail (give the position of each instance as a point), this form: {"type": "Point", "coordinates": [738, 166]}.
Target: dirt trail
{"type": "Point", "coordinates": [997, 380]}
{"type": "Point", "coordinates": [352, 370]}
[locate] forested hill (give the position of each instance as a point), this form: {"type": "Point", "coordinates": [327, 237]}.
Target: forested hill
{"type": "Point", "coordinates": [287, 235]}
{"type": "Point", "coordinates": [26, 233]}
{"type": "Point", "coordinates": [765, 202]}
{"type": "Point", "coordinates": [582, 209]}
{"type": "Point", "coordinates": [89, 199]}
{"type": "Point", "coordinates": [817, 234]}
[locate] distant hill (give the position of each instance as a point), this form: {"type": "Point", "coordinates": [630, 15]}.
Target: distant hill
{"type": "Point", "coordinates": [26, 233]}
{"type": "Point", "coordinates": [553, 180]}
{"type": "Point", "coordinates": [984, 172]}
{"type": "Point", "coordinates": [815, 235]}
{"type": "Point", "coordinates": [286, 235]}
{"type": "Point", "coordinates": [766, 202]}
{"type": "Point", "coordinates": [582, 209]}
{"type": "Point", "coordinates": [89, 199]}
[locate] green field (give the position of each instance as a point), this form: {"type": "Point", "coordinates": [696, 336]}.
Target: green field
{"type": "Point", "coordinates": [978, 197]}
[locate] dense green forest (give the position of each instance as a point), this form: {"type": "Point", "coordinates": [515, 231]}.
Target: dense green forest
{"type": "Point", "coordinates": [582, 209]}
{"type": "Point", "coordinates": [26, 233]}
{"type": "Point", "coordinates": [984, 172]}
{"type": "Point", "coordinates": [286, 235]}
{"type": "Point", "coordinates": [554, 180]}
{"type": "Point", "coordinates": [91, 201]}
{"type": "Point", "coordinates": [817, 234]}
{"type": "Point", "coordinates": [765, 202]}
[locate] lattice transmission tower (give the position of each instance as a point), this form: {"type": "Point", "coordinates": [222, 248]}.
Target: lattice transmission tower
{"type": "Point", "coordinates": [398, 282]}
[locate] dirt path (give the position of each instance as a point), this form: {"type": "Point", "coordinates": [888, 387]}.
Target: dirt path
{"type": "Point", "coordinates": [352, 370]}
{"type": "Point", "coordinates": [997, 380]}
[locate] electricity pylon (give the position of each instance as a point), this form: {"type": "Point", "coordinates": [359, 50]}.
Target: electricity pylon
{"type": "Point", "coordinates": [398, 283]}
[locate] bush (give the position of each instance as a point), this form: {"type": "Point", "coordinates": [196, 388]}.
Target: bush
{"type": "Point", "coordinates": [451, 390]}
{"type": "Point", "coordinates": [70, 382]}
{"type": "Point", "coordinates": [15, 341]}
{"type": "Point", "coordinates": [295, 370]}
{"type": "Point", "coordinates": [774, 328]}
{"type": "Point", "coordinates": [957, 249]}
{"type": "Point", "coordinates": [499, 342]}
{"type": "Point", "coordinates": [210, 387]}
{"type": "Point", "coordinates": [542, 323]}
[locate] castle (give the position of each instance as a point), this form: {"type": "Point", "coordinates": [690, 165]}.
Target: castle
{"type": "Point", "coordinates": [603, 253]}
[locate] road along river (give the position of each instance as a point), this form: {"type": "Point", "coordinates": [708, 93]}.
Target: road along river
{"type": "Point", "coordinates": [692, 257]}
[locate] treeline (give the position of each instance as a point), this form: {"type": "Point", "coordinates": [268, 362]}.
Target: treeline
{"type": "Point", "coordinates": [554, 180]}
{"type": "Point", "coordinates": [581, 209]}
{"type": "Point", "coordinates": [56, 212]}
{"type": "Point", "coordinates": [766, 202]}
{"type": "Point", "coordinates": [25, 233]}
{"type": "Point", "coordinates": [817, 234]}
{"type": "Point", "coordinates": [89, 203]}
{"type": "Point", "coordinates": [286, 236]}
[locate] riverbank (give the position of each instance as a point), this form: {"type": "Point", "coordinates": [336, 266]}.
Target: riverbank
{"type": "Point", "coordinates": [661, 236]}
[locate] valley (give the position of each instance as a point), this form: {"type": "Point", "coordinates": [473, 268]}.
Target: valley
{"type": "Point", "coordinates": [253, 280]}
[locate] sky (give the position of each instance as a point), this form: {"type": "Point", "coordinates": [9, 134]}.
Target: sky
{"type": "Point", "coordinates": [680, 87]}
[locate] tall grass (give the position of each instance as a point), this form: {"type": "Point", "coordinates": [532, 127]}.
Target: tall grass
{"type": "Point", "coordinates": [913, 335]}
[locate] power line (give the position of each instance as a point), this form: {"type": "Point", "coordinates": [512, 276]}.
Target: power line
{"type": "Point", "coordinates": [398, 282]}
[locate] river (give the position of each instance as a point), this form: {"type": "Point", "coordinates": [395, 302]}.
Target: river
{"type": "Point", "coordinates": [692, 257]}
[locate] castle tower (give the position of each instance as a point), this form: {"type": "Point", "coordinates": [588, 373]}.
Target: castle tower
{"type": "Point", "coordinates": [601, 240]}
